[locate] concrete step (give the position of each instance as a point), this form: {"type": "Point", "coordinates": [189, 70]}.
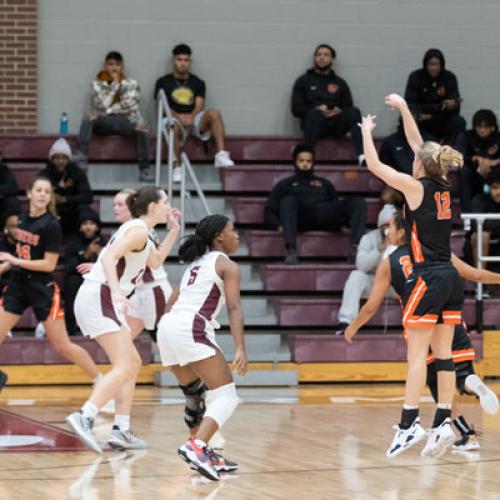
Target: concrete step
{"type": "Point", "coordinates": [257, 312]}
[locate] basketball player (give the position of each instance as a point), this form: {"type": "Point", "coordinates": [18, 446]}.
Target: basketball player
{"type": "Point", "coordinates": [31, 282]}
{"type": "Point", "coordinates": [101, 306]}
{"type": "Point", "coordinates": [186, 334]}
{"type": "Point", "coordinates": [393, 271]}
{"type": "Point", "coordinates": [434, 295]}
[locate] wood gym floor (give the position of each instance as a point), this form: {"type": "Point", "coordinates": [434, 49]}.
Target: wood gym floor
{"type": "Point", "coordinates": [321, 442]}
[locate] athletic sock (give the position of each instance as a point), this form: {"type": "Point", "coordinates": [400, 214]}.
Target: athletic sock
{"type": "Point", "coordinates": [123, 422]}
{"type": "Point", "coordinates": [408, 416]}
{"type": "Point", "coordinates": [462, 426]}
{"type": "Point", "coordinates": [89, 410]}
{"type": "Point", "coordinates": [442, 413]}
{"type": "Point", "coordinates": [98, 378]}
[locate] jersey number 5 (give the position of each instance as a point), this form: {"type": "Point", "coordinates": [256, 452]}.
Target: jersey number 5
{"type": "Point", "coordinates": [443, 203]}
{"type": "Point", "coordinates": [193, 275]}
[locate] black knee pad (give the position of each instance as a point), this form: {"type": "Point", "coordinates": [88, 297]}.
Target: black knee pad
{"type": "Point", "coordinates": [444, 365]}
{"type": "Point", "coordinates": [432, 381]}
{"type": "Point", "coordinates": [194, 410]}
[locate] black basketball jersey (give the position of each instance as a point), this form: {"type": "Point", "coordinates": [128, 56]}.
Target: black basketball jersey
{"type": "Point", "coordinates": [35, 236]}
{"type": "Point", "coordinates": [429, 226]}
{"type": "Point", "coordinates": [401, 268]}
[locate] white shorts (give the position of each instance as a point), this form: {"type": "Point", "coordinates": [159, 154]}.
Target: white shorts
{"type": "Point", "coordinates": [194, 129]}
{"type": "Point", "coordinates": [95, 312]}
{"type": "Point", "coordinates": [148, 302]}
{"type": "Point", "coordinates": [184, 338]}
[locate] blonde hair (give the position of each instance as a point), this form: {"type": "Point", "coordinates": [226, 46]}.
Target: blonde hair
{"type": "Point", "coordinates": [51, 206]}
{"type": "Point", "coordinates": [438, 160]}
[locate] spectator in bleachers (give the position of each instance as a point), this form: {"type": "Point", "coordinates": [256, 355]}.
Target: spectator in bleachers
{"type": "Point", "coordinates": [7, 244]}
{"type": "Point", "coordinates": [372, 249]}
{"type": "Point", "coordinates": [8, 190]}
{"type": "Point", "coordinates": [481, 149]}
{"type": "Point", "coordinates": [307, 202]}
{"type": "Point", "coordinates": [81, 251]}
{"type": "Point", "coordinates": [488, 203]}
{"type": "Point", "coordinates": [323, 102]}
{"type": "Point", "coordinates": [115, 99]}
{"type": "Point", "coordinates": [72, 191]}
{"type": "Point", "coordinates": [433, 96]}
{"type": "Point", "coordinates": [185, 93]}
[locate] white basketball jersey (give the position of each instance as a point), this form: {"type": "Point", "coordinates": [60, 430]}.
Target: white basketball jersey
{"type": "Point", "coordinates": [201, 289]}
{"type": "Point", "coordinates": [130, 267]}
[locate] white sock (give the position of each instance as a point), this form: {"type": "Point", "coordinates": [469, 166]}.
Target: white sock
{"type": "Point", "coordinates": [200, 443]}
{"type": "Point", "coordinates": [90, 410]}
{"type": "Point", "coordinates": [99, 377]}
{"type": "Point", "coordinates": [410, 407]}
{"type": "Point", "coordinates": [123, 422]}
{"type": "Point", "coordinates": [444, 406]}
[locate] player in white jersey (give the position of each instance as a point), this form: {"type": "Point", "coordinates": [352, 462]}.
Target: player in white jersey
{"type": "Point", "coordinates": [100, 310]}
{"type": "Point", "coordinates": [186, 334]}
{"type": "Point", "coordinates": [150, 296]}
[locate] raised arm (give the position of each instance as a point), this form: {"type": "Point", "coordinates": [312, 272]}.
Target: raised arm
{"type": "Point", "coordinates": [158, 254]}
{"type": "Point", "coordinates": [381, 285]}
{"type": "Point", "coordinates": [473, 273]}
{"type": "Point", "coordinates": [410, 187]}
{"type": "Point", "coordinates": [412, 132]}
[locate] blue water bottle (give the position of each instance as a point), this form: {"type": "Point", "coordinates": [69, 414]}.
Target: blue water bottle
{"type": "Point", "coordinates": [63, 124]}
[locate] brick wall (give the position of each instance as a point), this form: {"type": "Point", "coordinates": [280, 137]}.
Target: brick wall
{"type": "Point", "coordinates": [18, 66]}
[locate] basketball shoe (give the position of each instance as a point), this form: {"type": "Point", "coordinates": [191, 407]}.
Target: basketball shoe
{"type": "Point", "coordinates": [405, 438]}
{"type": "Point", "coordinates": [194, 452]}
{"type": "Point", "coordinates": [440, 438]}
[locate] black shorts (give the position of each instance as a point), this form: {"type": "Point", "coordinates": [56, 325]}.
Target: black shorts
{"type": "Point", "coordinates": [433, 294]}
{"type": "Point", "coordinates": [44, 298]}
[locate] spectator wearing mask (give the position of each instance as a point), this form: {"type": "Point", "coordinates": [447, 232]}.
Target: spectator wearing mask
{"type": "Point", "coordinates": [80, 253]}
{"type": "Point", "coordinates": [481, 149]}
{"type": "Point", "coordinates": [8, 190]}
{"type": "Point", "coordinates": [115, 99]}
{"type": "Point", "coordinates": [8, 244]}
{"type": "Point", "coordinates": [433, 96]}
{"type": "Point", "coordinates": [72, 191]}
{"type": "Point", "coordinates": [185, 93]}
{"type": "Point", "coordinates": [372, 249]}
{"type": "Point", "coordinates": [323, 102]}
{"type": "Point", "coordinates": [307, 202]}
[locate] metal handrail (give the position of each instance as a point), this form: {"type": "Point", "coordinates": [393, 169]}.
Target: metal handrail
{"type": "Point", "coordinates": [165, 130]}
{"type": "Point", "coordinates": [480, 219]}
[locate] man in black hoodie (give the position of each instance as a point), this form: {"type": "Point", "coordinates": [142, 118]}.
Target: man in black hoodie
{"type": "Point", "coordinates": [323, 102]}
{"type": "Point", "coordinates": [433, 96]}
{"type": "Point", "coordinates": [8, 190]}
{"type": "Point", "coordinates": [79, 255]}
{"type": "Point", "coordinates": [481, 149]}
{"type": "Point", "coordinates": [307, 202]}
{"type": "Point", "coordinates": [71, 186]}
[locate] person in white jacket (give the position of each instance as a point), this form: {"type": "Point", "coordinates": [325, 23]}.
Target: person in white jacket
{"type": "Point", "coordinates": [371, 250]}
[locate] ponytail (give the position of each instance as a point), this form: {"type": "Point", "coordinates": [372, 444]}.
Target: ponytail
{"type": "Point", "coordinates": [138, 201]}
{"type": "Point", "coordinates": [439, 160]}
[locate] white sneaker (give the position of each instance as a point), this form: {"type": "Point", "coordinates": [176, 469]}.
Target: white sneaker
{"type": "Point", "coordinates": [487, 398]}
{"type": "Point", "coordinates": [83, 427]}
{"type": "Point", "coordinates": [440, 438]}
{"type": "Point", "coordinates": [222, 159]}
{"type": "Point", "coordinates": [39, 331]}
{"type": "Point", "coordinates": [405, 438]}
{"type": "Point", "coordinates": [176, 175]}
{"type": "Point", "coordinates": [109, 407]}
{"type": "Point", "coordinates": [125, 440]}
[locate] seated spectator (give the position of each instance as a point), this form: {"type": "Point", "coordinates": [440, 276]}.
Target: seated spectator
{"type": "Point", "coordinates": [71, 186]}
{"type": "Point", "coordinates": [185, 93]}
{"type": "Point", "coordinates": [397, 153]}
{"type": "Point", "coordinates": [81, 251]}
{"type": "Point", "coordinates": [372, 249]}
{"type": "Point", "coordinates": [8, 190]}
{"type": "Point", "coordinates": [323, 102]}
{"type": "Point", "coordinates": [481, 149]}
{"type": "Point", "coordinates": [433, 96]}
{"type": "Point", "coordinates": [116, 111]}
{"type": "Point", "coordinates": [307, 202]}
{"type": "Point", "coordinates": [7, 244]}
{"type": "Point", "coordinates": [488, 203]}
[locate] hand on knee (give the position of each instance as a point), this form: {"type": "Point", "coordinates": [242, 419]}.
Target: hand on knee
{"type": "Point", "coordinates": [221, 403]}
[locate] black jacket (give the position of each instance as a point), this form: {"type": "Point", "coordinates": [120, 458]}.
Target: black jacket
{"type": "Point", "coordinates": [72, 183]}
{"type": "Point", "coordinates": [310, 189]}
{"type": "Point", "coordinates": [425, 94]}
{"type": "Point", "coordinates": [8, 184]}
{"type": "Point", "coordinates": [75, 250]}
{"type": "Point", "coordinates": [470, 144]}
{"type": "Point", "coordinates": [313, 89]}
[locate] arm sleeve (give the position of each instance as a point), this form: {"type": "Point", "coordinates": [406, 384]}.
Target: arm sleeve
{"type": "Point", "coordinates": [83, 193]}
{"type": "Point", "coordinates": [299, 107]}
{"type": "Point", "coordinates": [346, 100]}
{"type": "Point", "coordinates": [368, 256]}
{"type": "Point", "coordinates": [8, 184]}
{"type": "Point", "coordinates": [130, 96]}
{"type": "Point", "coordinates": [53, 236]}
{"type": "Point", "coordinates": [201, 89]}
{"type": "Point", "coordinates": [103, 94]}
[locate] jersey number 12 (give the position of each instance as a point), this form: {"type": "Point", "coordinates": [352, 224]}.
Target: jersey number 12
{"type": "Point", "coordinates": [443, 203]}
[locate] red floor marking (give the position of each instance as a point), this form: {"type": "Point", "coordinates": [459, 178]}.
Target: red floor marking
{"type": "Point", "coordinates": [54, 439]}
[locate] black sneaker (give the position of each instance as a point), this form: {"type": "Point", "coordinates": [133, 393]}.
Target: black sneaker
{"type": "Point", "coordinates": [3, 379]}
{"type": "Point", "coordinates": [340, 328]}
{"type": "Point", "coordinates": [292, 259]}
{"type": "Point", "coordinates": [467, 442]}
{"type": "Point", "coordinates": [146, 173]}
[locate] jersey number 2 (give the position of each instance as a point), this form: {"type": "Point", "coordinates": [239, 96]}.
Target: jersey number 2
{"type": "Point", "coordinates": [443, 203]}
{"type": "Point", "coordinates": [406, 265]}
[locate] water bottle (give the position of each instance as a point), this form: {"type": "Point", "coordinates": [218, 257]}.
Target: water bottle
{"type": "Point", "coordinates": [63, 124]}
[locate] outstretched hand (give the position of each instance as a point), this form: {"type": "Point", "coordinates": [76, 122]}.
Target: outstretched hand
{"type": "Point", "coordinates": [395, 101]}
{"type": "Point", "coordinates": [173, 219]}
{"type": "Point", "coordinates": [367, 123]}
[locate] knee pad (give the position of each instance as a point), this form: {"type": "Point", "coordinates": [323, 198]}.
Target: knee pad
{"type": "Point", "coordinates": [195, 393]}
{"type": "Point", "coordinates": [444, 365]}
{"type": "Point", "coordinates": [221, 403]}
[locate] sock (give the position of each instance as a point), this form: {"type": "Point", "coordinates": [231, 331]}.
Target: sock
{"type": "Point", "coordinates": [122, 422]}
{"type": "Point", "coordinates": [463, 426]}
{"type": "Point", "coordinates": [200, 443]}
{"type": "Point", "coordinates": [443, 412]}
{"type": "Point", "coordinates": [99, 377]}
{"type": "Point", "coordinates": [89, 410]}
{"type": "Point", "coordinates": [408, 416]}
